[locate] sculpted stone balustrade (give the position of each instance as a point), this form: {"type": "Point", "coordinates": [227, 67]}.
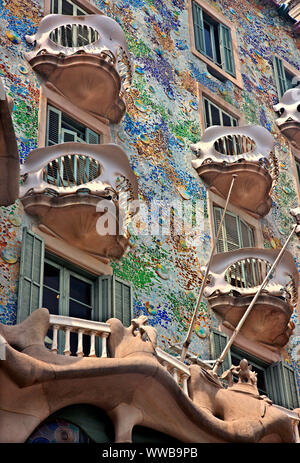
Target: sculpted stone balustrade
{"type": "Point", "coordinates": [68, 187]}
{"type": "Point", "coordinates": [131, 386]}
{"type": "Point", "coordinates": [86, 59]}
{"type": "Point", "coordinates": [245, 151]}
{"type": "Point", "coordinates": [288, 110]}
{"type": "Point", "coordinates": [234, 280]}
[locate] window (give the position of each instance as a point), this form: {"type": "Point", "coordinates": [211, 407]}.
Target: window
{"type": "Point", "coordinates": [66, 7]}
{"type": "Point", "coordinates": [62, 128]}
{"type": "Point", "coordinates": [213, 39]}
{"type": "Point", "coordinates": [235, 234]}
{"type": "Point", "coordinates": [277, 381]}
{"type": "Point", "coordinates": [298, 169]}
{"type": "Point", "coordinates": [65, 289]}
{"type": "Point", "coordinates": [284, 78]}
{"type": "Point", "coordinates": [73, 170]}
{"type": "Point", "coordinates": [67, 292]}
{"type": "Point", "coordinates": [214, 115]}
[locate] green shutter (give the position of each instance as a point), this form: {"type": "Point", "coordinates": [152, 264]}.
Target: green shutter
{"type": "Point", "coordinates": [115, 299]}
{"type": "Point", "coordinates": [53, 126]}
{"type": "Point", "coordinates": [282, 385]}
{"type": "Point", "coordinates": [280, 76]}
{"type": "Point", "coordinates": [91, 137]}
{"type": "Point", "coordinates": [31, 274]}
{"type": "Point", "coordinates": [218, 342]}
{"type": "Point", "coordinates": [226, 49]}
{"type": "Point", "coordinates": [198, 28]}
{"type": "Point", "coordinates": [221, 241]}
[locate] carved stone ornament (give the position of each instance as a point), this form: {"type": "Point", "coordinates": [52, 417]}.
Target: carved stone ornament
{"type": "Point", "coordinates": [68, 202]}
{"type": "Point", "coordinates": [233, 282]}
{"type": "Point", "coordinates": [246, 152]}
{"type": "Point", "coordinates": [86, 59]}
{"type": "Point", "coordinates": [288, 121]}
{"type": "Point", "coordinates": [131, 386]}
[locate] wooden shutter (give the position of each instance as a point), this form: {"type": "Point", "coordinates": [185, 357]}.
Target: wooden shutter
{"type": "Point", "coordinates": [68, 135]}
{"type": "Point", "coordinates": [53, 126]}
{"type": "Point", "coordinates": [198, 28]}
{"type": "Point", "coordinates": [115, 299]}
{"type": "Point", "coordinates": [232, 231]}
{"type": "Point", "coordinates": [282, 386]}
{"type": "Point", "coordinates": [226, 49]}
{"type": "Point", "coordinates": [217, 216]}
{"type": "Point", "coordinates": [218, 342]}
{"type": "Point", "coordinates": [280, 76]}
{"type": "Point", "coordinates": [31, 274]}
{"type": "Point", "coordinates": [91, 137]}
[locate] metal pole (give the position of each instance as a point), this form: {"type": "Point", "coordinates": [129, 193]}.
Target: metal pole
{"type": "Point", "coordinates": [242, 320]}
{"type": "Point", "coordinates": [189, 335]}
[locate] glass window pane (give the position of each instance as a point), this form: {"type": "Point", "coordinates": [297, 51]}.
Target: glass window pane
{"type": "Point", "coordinates": [78, 310]}
{"type": "Point", "coordinates": [51, 276]}
{"type": "Point", "coordinates": [208, 43]}
{"type": "Point", "coordinates": [80, 290]}
{"type": "Point", "coordinates": [67, 8]}
{"type": "Point", "coordinates": [207, 116]}
{"type": "Point", "coordinates": [215, 115]}
{"type": "Point", "coordinates": [51, 301]}
{"type": "Point", "coordinates": [227, 121]}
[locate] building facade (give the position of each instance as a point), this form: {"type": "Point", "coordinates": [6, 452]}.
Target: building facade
{"type": "Point", "coordinates": [161, 102]}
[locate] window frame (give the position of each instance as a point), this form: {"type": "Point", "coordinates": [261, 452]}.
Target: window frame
{"type": "Point", "coordinates": [288, 68]}
{"type": "Point", "coordinates": [215, 200]}
{"type": "Point", "coordinates": [83, 4]}
{"type": "Point", "coordinates": [68, 269]}
{"type": "Point", "coordinates": [221, 112]}
{"type": "Point", "coordinates": [204, 93]}
{"type": "Point", "coordinates": [239, 220]}
{"type": "Point", "coordinates": [222, 20]}
{"type": "Point", "coordinates": [50, 97]}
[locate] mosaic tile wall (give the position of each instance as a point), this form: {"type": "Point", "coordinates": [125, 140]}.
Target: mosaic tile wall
{"type": "Point", "coordinates": [161, 122]}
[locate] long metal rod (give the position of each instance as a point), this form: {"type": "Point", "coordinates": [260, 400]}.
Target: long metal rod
{"type": "Point", "coordinates": [189, 334]}
{"type": "Point", "coordinates": [242, 320]}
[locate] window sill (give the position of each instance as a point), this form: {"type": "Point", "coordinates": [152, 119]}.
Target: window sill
{"type": "Point", "coordinates": [238, 81]}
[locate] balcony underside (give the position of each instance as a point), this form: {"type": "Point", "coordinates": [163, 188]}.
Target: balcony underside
{"type": "Point", "coordinates": [90, 82]}
{"type": "Point", "coordinates": [73, 218]}
{"type": "Point", "coordinates": [291, 130]}
{"type": "Point", "coordinates": [267, 323]}
{"type": "Point", "coordinates": [252, 187]}
{"type": "Point", "coordinates": [9, 154]}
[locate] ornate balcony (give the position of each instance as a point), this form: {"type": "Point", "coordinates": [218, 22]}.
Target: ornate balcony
{"type": "Point", "coordinates": [84, 58]}
{"type": "Point", "coordinates": [69, 187]}
{"type": "Point", "coordinates": [288, 110]}
{"type": "Point", "coordinates": [188, 403]}
{"type": "Point", "coordinates": [245, 151]}
{"type": "Point", "coordinates": [234, 280]}
{"type": "Point", "coordinates": [9, 155]}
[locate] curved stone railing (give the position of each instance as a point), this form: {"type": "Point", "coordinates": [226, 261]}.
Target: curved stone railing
{"type": "Point", "coordinates": [91, 34]}
{"type": "Point", "coordinates": [242, 271]}
{"type": "Point", "coordinates": [178, 370]}
{"type": "Point", "coordinates": [81, 327]}
{"type": "Point", "coordinates": [94, 167]}
{"type": "Point", "coordinates": [236, 144]}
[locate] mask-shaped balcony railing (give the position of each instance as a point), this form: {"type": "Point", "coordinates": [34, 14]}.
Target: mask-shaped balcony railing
{"type": "Point", "coordinates": [245, 151]}
{"type": "Point", "coordinates": [86, 59]}
{"type": "Point", "coordinates": [288, 110]}
{"type": "Point", "coordinates": [233, 282]}
{"type": "Point", "coordinates": [68, 187]}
